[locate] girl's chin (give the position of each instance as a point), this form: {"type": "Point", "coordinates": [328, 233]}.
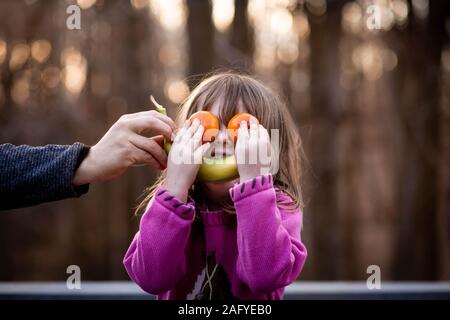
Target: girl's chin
{"type": "Point", "coordinates": [222, 185]}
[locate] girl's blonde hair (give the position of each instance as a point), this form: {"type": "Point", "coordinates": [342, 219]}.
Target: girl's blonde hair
{"type": "Point", "coordinates": [230, 89]}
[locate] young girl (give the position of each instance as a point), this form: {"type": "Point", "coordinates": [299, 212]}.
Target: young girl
{"type": "Point", "coordinates": [238, 239]}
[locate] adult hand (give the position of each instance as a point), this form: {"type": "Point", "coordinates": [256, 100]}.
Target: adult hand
{"type": "Point", "coordinates": [124, 146]}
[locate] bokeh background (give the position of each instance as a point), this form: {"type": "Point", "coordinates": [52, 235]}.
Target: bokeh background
{"type": "Point", "coordinates": [369, 91]}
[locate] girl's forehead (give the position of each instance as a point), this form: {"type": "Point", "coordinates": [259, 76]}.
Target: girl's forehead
{"type": "Point", "coordinates": [218, 107]}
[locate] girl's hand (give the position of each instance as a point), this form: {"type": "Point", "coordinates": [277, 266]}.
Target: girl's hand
{"type": "Point", "coordinates": [184, 159]}
{"type": "Point", "coordinates": [253, 151]}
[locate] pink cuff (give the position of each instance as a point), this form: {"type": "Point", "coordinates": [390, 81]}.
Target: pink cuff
{"type": "Point", "coordinates": [170, 202]}
{"type": "Point", "coordinates": [250, 187]}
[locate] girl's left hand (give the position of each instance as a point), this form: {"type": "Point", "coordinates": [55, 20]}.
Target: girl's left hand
{"type": "Point", "coordinates": [253, 151]}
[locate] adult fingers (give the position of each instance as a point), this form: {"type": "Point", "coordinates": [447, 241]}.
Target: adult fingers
{"type": "Point", "coordinates": [149, 123]}
{"type": "Point", "coordinates": [158, 139]}
{"type": "Point", "coordinates": [156, 114]}
{"type": "Point", "coordinates": [141, 157]}
{"type": "Point", "coordinates": [151, 147]}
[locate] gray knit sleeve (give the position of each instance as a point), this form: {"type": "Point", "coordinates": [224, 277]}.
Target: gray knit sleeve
{"type": "Point", "coordinates": [32, 175]}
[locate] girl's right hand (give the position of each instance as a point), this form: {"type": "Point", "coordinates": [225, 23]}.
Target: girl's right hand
{"type": "Point", "coordinates": [184, 159]}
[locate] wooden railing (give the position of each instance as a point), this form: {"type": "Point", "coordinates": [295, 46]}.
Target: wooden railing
{"type": "Point", "coordinates": [298, 290]}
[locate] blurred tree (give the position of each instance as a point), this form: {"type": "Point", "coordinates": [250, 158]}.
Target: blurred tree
{"type": "Point", "coordinates": [201, 39]}
{"type": "Point", "coordinates": [326, 105]}
{"type": "Point", "coordinates": [94, 231]}
{"type": "Point", "coordinates": [241, 35]}
{"type": "Point", "coordinates": [418, 252]}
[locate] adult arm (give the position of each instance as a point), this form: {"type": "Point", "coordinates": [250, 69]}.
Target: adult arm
{"type": "Point", "coordinates": [32, 175]}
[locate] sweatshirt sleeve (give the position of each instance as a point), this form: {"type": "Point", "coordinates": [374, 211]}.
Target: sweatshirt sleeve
{"type": "Point", "coordinates": [156, 258]}
{"type": "Point", "coordinates": [33, 175]}
{"type": "Point", "coordinates": [270, 252]}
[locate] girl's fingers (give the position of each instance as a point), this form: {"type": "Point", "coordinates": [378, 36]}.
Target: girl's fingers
{"type": "Point", "coordinates": [197, 137]}
{"type": "Point", "coordinates": [264, 138]}
{"type": "Point", "coordinates": [263, 133]}
{"type": "Point", "coordinates": [200, 153]}
{"type": "Point", "coordinates": [254, 130]}
{"type": "Point", "coordinates": [190, 131]}
{"type": "Point", "coordinates": [243, 134]}
{"type": "Point", "coordinates": [151, 147]}
{"type": "Point", "coordinates": [205, 148]}
{"type": "Point", "coordinates": [180, 133]}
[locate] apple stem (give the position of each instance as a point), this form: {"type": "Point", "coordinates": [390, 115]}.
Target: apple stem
{"type": "Point", "coordinates": [158, 107]}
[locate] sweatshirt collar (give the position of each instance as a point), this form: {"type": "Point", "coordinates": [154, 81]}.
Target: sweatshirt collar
{"type": "Point", "coordinates": [211, 217]}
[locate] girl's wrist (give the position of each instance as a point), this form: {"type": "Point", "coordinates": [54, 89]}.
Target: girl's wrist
{"type": "Point", "coordinates": [248, 176]}
{"type": "Point", "coordinates": [245, 178]}
{"type": "Point", "coordinates": [176, 189]}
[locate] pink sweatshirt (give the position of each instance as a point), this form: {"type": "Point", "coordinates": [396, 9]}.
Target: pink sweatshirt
{"type": "Point", "coordinates": [254, 259]}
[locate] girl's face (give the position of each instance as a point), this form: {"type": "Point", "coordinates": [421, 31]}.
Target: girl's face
{"type": "Point", "coordinates": [222, 146]}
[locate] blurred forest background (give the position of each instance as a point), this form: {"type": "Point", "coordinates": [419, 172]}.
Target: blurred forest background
{"type": "Point", "coordinates": [369, 88]}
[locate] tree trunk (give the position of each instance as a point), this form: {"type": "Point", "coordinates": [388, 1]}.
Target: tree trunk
{"type": "Point", "coordinates": [321, 211]}
{"type": "Point", "coordinates": [201, 39]}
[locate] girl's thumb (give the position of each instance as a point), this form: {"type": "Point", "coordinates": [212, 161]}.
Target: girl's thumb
{"type": "Point", "coordinates": [206, 148]}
